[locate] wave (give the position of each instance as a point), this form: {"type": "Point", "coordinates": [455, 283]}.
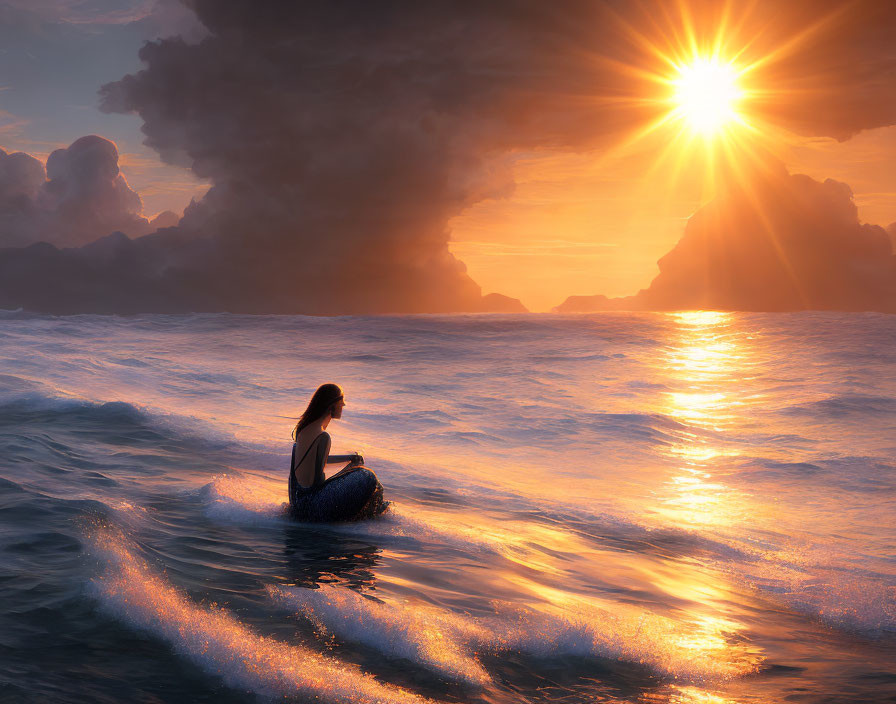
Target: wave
{"type": "Point", "coordinates": [216, 641]}
{"type": "Point", "coordinates": [252, 499]}
{"type": "Point", "coordinates": [14, 385]}
{"type": "Point", "coordinates": [849, 602]}
{"type": "Point", "coordinates": [854, 474]}
{"type": "Point", "coordinates": [551, 358]}
{"type": "Point", "coordinates": [424, 636]}
{"type": "Point", "coordinates": [367, 358]}
{"type": "Point", "coordinates": [19, 314]}
{"type": "Point", "coordinates": [850, 599]}
{"type": "Point", "coordinates": [447, 642]}
{"type": "Point", "coordinates": [460, 436]}
{"type": "Point", "coordinates": [843, 405]}
{"type": "Point", "coordinates": [27, 402]}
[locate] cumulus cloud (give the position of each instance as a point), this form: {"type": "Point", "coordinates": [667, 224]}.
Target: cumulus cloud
{"type": "Point", "coordinates": [77, 197]}
{"type": "Point", "coordinates": [341, 137]}
{"type": "Point", "coordinates": [777, 242]}
{"type": "Point", "coordinates": [21, 179]}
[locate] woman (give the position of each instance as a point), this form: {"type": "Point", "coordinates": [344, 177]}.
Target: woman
{"type": "Point", "coordinates": [351, 494]}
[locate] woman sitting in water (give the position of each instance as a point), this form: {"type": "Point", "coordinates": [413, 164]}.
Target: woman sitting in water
{"type": "Point", "coordinates": [352, 493]}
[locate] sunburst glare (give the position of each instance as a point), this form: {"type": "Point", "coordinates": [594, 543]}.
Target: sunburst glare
{"type": "Point", "coordinates": [704, 84]}
{"type": "Point", "coordinates": [706, 95]}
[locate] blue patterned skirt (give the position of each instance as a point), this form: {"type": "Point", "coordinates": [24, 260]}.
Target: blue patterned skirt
{"type": "Point", "coordinates": [349, 496]}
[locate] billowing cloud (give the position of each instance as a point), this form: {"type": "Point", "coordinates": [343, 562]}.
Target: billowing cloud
{"type": "Point", "coordinates": [835, 77]}
{"type": "Point", "coordinates": [341, 137]}
{"type": "Point", "coordinates": [778, 242]}
{"type": "Point", "coordinates": [77, 197]}
{"type": "Point", "coordinates": [21, 179]}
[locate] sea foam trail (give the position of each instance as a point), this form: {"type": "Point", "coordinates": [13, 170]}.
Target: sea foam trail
{"type": "Point", "coordinates": [808, 588]}
{"type": "Point", "coordinates": [425, 636]}
{"type": "Point", "coordinates": [445, 642]}
{"type": "Point", "coordinates": [251, 500]}
{"type": "Point", "coordinates": [218, 643]}
{"type": "Point", "coordinates": [244, 499]}
{"type": "Point", "coordinates": [848, 598]}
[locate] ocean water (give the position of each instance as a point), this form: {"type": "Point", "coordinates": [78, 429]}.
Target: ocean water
{"type": "Point", "coordinates": [692, 508]}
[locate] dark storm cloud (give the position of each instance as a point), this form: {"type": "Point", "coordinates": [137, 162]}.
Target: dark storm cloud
{"type": "Point", "coordinates": [341, 137]}
{"type": "Point", "coordinates": [780, 242]}
{"type": "Point", "coordinates": [79, 195]}
{"type": "Point", "coordinates": [840, 79]}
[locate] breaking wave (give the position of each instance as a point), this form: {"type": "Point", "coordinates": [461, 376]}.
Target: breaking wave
{"type": "Point", "coordinates": [220, 644]}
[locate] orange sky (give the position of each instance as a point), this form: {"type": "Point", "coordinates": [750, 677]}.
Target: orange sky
{"type": "Point", "coordinates": [580, 224]}
{"type": "Point", "coordinates": [597, 222]}
{"type": "Point", "coordinates": [589, 222]}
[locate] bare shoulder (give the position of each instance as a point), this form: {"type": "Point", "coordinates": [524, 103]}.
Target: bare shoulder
{"type": "Point", "coordinates": [309, 435]}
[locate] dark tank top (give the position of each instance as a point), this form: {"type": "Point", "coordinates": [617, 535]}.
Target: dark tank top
{"type": "Point", "coordinates": [350, 495]}
{"type": "Point", "coordinates": [296, 489]}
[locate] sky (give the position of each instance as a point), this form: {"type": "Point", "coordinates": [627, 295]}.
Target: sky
{"type": "Point", "coordinates": [537, 146]}
{"type": "Point", "coordinates": [53, 59]}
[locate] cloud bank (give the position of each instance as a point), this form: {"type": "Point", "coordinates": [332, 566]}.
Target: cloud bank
{"type": "Point", "coordinates": [78, 195]}
{"type": "Point", "coordinates": [779, 242]}
{"type": "Point", "coordinates": [341, 138]}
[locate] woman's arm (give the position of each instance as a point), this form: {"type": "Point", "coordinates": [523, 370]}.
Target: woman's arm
{"type": "Point", "coordinates": [355, 458]}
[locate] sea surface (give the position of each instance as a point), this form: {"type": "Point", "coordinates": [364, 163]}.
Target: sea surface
{"type": "Point", "coordinates": [691, 508]}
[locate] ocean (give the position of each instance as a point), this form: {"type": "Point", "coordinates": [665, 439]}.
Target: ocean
{"type": "Point", "coordinates": [682, 508]}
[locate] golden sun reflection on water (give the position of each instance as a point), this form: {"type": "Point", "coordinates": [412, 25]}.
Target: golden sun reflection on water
{"type": "Point", "coordinates": [703, 366]}
{"type": "Point", "coordinates": [689, 646]}
{"type": "Point", "coordinates": [704, 408]}
{"type": "Point", "coordinates": [693, 695]}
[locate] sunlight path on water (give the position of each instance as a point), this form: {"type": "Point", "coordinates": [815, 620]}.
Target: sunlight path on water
{"type": "Point", "coordinates": [706, 359]}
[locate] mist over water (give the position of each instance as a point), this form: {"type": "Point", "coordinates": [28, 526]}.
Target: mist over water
{"type": "Point", "coordinates": [684, 508]}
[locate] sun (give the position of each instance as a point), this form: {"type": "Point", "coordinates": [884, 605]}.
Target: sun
{"type": "Point", "coordinates": [703, 90]}
{"type": "Point", "coordinates": [706, 95]}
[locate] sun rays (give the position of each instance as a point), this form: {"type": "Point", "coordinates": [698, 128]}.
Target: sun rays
{"type": "Point", "coordinates": [706, 95]}
{"type": "Point", "coordinates": [702, 84]}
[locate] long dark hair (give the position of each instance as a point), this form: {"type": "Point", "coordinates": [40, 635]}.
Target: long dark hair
{"type": "Point", "coordinates": [325, 396]}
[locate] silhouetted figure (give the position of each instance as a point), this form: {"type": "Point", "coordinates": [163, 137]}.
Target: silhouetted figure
{"type": "Point", "coordinates": [349, 495]}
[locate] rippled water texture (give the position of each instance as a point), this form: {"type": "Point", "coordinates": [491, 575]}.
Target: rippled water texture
{"type": "Point", "coordinates": [691, 508]}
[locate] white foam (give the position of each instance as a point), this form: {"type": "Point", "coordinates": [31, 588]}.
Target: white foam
{"type": "Point", "coordinates": [216, 641]}
{"type": "Point", "coordinates": [426, 636]}
{"type": "Point", "coordinates": [244, 499]}
{"type": "Point", "coordinates": [446, 642]}
{"type": "Point", "coordinates": [851, 599]}
{"type": "Point", "coordinates": [253, 499]}
{"type": "Point", "coordinates": [691, 650]}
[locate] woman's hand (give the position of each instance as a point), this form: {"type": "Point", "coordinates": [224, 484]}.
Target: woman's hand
{"type": "Point", "coordinates": [357, 459]}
